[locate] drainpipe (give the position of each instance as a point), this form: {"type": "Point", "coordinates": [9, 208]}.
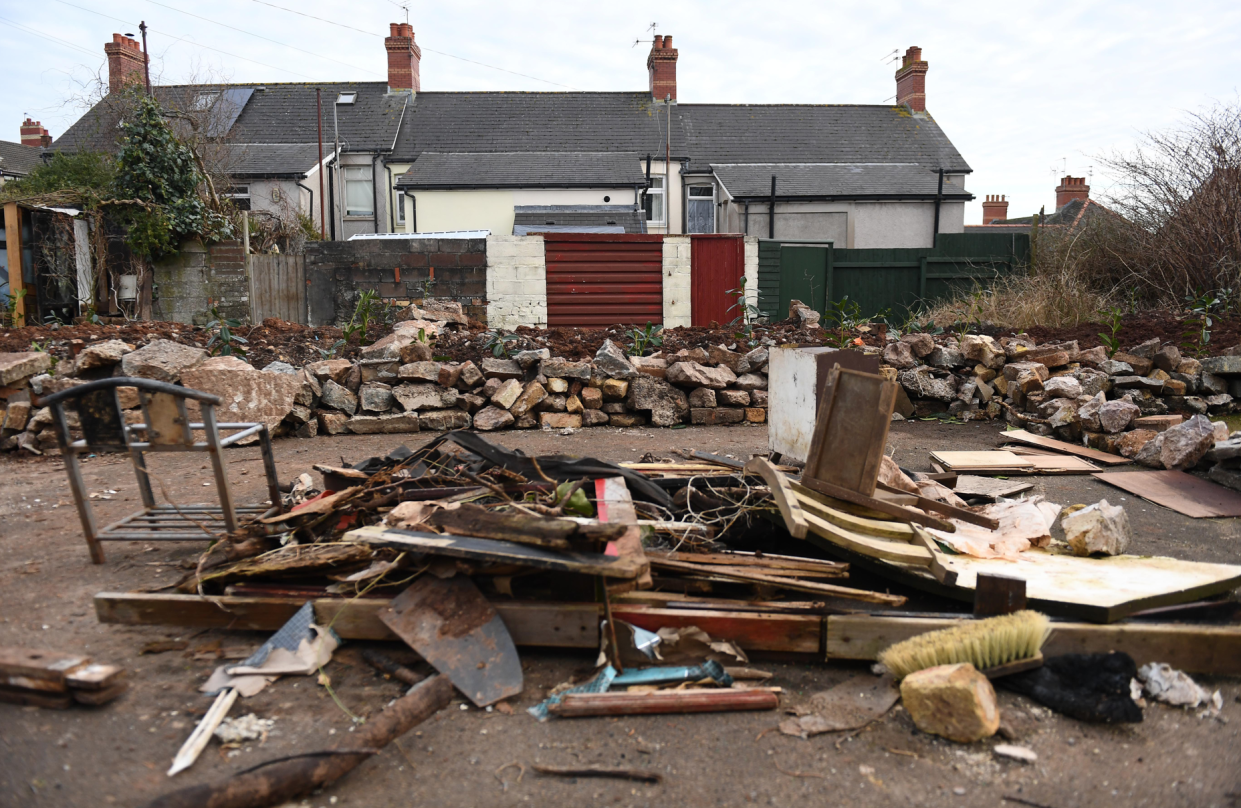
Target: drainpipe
{"type": "Point", "coordinates": [747, 217]}
{"type": "Point", "coordinates": [331, 190]}
{"type": "Point", "coordinates": [771, 208]}
{"type": "Point", "coordinates": [684, 199]}
{"type": "Point", "coordinates": [939, 196]}
{"type": "Point", "coordinates": [312, 200]}
{"type": "Point", "coordinates": [413, 222]}
{"type": "Point", "coordinates": [391, 207]}
{"type": "Point", "coordinates": [322, 167]}
{"type": "Point", "coordinates": [375, 195]}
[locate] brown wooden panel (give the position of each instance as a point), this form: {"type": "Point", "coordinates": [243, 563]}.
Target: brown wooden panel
{"type": "Point", "coordinates": [1183, 493]}
{"type": "Point", "coordinates": [604, 280]}
{"type": "Point", "coordinates": [278, 287]}
{"type": "Point", "coordinates": [851, 431]}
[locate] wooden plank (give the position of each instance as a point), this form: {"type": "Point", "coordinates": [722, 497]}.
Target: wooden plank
{"type": "Point", "coordinates": [502, 552]}
{"type": "Point", "coordinates": [95, 677]}
{"type": "Point", "coordinates": [971, 486]}
{"type": "Point", "coordinates": [870, 546]}
{"type": "Point", "coordinates": [1022, 436]}
{"type": "Point", "coordinates": [944, 509]}
{"type": "Point", "coordinates": [37, 669]}
{"type": "Point", "coordinates": [1194, 648]}
{"type": "Point", "coordinates": [712, 700]}
{"type": "Point", "coordinates": [885, 505]}
{"type": "Point", "coordinates": [984, 459]}
{"type": "Point", "coordinates": [1183, 493]}
{"type": "Point", "coordinates": [615, 506]}
{"type": "Point", "coordinates": [826, 568]}
{"type": "Point", "coordinates": [35, 698]}
{"type": "Point", "coordinates": [851, 431]}
{"type": "Point", "coordinates": [942, 572]}
{"type": "Point", "coordinates": [796, 585]}
{"type": "Point", "coordinates": [539, 624]}
{"type": "Point", "coordinates": [782, 492]}
{"type": "Point", "coordinates": [472, 520]}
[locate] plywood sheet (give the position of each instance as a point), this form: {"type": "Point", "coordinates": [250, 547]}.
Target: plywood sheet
{"type": "Point", "coordinates": [972, 486]}
{"type": "Point", "coordinates": [982, 460]}
{"type": "Point", "coordinates": [1183, 493]}
{"type": "Point", "coordinates": [1022, 436]}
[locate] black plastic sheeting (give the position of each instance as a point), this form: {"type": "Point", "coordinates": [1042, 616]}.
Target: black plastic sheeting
{"type": "Point", "coordinates": [1088, 687]}
{"type": "Point", "coordinates": [482, 455]}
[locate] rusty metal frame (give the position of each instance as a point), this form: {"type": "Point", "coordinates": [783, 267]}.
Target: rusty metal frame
{"type": "Point", "coordinates": [155, 522]}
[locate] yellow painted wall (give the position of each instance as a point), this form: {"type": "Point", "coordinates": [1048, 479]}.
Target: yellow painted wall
{"type": "Point", "coordinates": [465, 210]}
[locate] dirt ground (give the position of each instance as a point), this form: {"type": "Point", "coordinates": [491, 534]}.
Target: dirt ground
{"type": "Point", "coordinates": [118, 754]}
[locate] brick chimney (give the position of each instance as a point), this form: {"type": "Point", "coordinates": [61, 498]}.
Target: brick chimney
{"type": "Point", "coordinates": [125, 62]}
{"type": "Point", "coordinates": [911, 80]}
{"type": "Point", "coordinates": [33, 134]}
{"type": "Point", "coordinates": [1071, 188]}
{"type": "Point", "coordinates": [662, 67]}
{"type": "Point", "coordinates": [403, 58]}
{"type": "Point", "coordinates": [995, 208]}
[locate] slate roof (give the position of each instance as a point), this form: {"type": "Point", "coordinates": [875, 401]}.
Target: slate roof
{"type": "Point", "coordinates": [272, 114]}
{"type": "Point", "coordinates": [274, 159]}
{"type": "Point", "coordinates": [523, 170]}
{"type": "Point", "coordinates": [17, 160]}
{"type": "Point", "coordinates": [844, 180]}
{"type": "Point", "coordinates": [1076, 213]}
{"type": "Point", "coordinates": [578, 219]}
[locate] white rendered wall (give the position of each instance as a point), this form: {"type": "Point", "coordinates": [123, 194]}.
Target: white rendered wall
{"type": "Point", "coordinates": [516, 281]}
{"type": "Point", "coordinates": [677, 281]}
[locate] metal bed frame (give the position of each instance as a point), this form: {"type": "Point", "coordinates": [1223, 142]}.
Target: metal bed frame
{"type": "Point", "coordinates": [166, 428]}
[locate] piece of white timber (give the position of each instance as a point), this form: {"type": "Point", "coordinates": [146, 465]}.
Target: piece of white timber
{"type": "Point", "coordinates": [817, 504]}
{"type": "Point", "coordinates": [782, 492]}
{"type": "Point", "coordinates": [197, 742]}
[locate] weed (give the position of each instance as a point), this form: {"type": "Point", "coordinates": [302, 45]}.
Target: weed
{"type": "Point", "coordinates": [497, 342]}
{"type": "Point", "coordinates": [8, 313]}
{"type": "Point", "coordinates": [1112, 341]}
{"type": "Point", "coordinates": [645, 338]}
{"type": "Point", "coordinates": [1198, 322]}
{"type": "Point", "coordinates": [34, 346]}
{"type": "Point", "coordinates": [223, 341]}
{"type": "Point", "coordinates": [842, 316]}
{"type": "Point", "coordinates": [330, 353]}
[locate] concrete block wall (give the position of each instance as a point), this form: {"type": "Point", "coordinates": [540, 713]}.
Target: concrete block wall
{"type": "Point", "coordinates": [516, 281]}
{"type": "Point", "coordinates": [401, 271]}
{"type": "Point", "coordinates": [188, 284]}
{"type": "Point", "coordinates": [751, 272]}
{"type": "Point", "coordinates": [677, 282]}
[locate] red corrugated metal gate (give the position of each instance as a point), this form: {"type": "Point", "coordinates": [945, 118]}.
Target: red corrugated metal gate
{"type": "Point", "coordinates": [717, 264]}
{"type": "Point", "coordinates": [595, 280]}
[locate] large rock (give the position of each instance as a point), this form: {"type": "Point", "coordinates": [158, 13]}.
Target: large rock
{"type": "Point", "coordinates": [559, 368]}
{"type": "Point", "coordinates": [419, 372]}
{"type": "Point", "coordinates": [594, 418]}
{"type": "Point", "coordinates": [802, 315]}
{"type": "Point", "coordinates": [530, 397]}
{"type": "Point", "coordinates": [425, 396]}
{"type": "Point", "coordinates": [15, 367]}
{"type": "Point", "coordinates": [335, 369]}
{"type": "Point", "coordinates": [332, 423]}
{"type": "Point", "coordinates": [919, 344]}
{"type": "Point", "coordinates": [496, 368]}
{"type": "Point", "coordinates": [554, 403]}
{"type": "Point", "coordinates": [102, 355]}
{"type": "Point", "coordinates": [612, 361]}
{"type": "Point", "coordinates": [491, 418]}
{"type": "Point", "coordinates": [655, 366]}
{"type": "Point", "coordinates": [470, 375]}
{"type": "Point", "coordinates": [1062, 387]}
{"type": "Point", "coordinates": [560, 420]}
{"type": "Point", "coordinates": [945, 357]}
{"type": "Point", "coordinates": [443, 420]}
{"type": "Point", "coordinates": [1185, 444]}
{"type": "Point", "coordinates": [1089, 413]}
{"type": "Point", "coordinates": [436, 310]}
{"type": "Point", "coordinates": [983, 350]}
{"type": "Point", "coordinates": [1092, 381]}
{"type": "Point", "coordinates": [1150, 455]}
{"type": "Point", "coordinates": [1168, 358]}
{"type": "Point", "coordinates": [1097, 528]}
{"type": "Point", "coordinates": [528, 359]}
{"type": "Point", "coordinates": [1141, 365]}
{"type": "Point", "coordinates": [899, 355]}
{"type": "Point", "coordinates": [507, 395]}
{"type": "Point", "coordinates": [614, 389]}
{"type": "Point", "coordinates": [1222, 365]}
{"type": "Point", "coordinates": [246, 394]}
{"type": "Point", "coordinates": [717, 416]}
{"type": "Point", "coordinates": [592, 398]}
{"type": "Point", "coordinates": [416, 351]}
{"type": "Point", "coordinates": [719, 355]}
{"type": "Point", "coordinates": [383, 424]}
{"type": "Point", "coordinates": [1092, 357]}
{"type": "Point", "coordinates": [162, 360]}
{"type": "Point", "coordinates": [1014, 369]}
{"type": "Point", "coordinates": [953, 701]}
{"type": "Point", "coordinates": [920, 383]}
{"type": "Point", "coordinates": [757, 359]}
{"type": "Point", "coordinates": [1114, 367]}
{"type": "Point", "coordinates": [389, 348]}
{"type": "Point", "coordinates": [702, 398]}
{"type": "Point", "coordinates": [1130, 444]}
{"type": "Point", "coordinates": [1147, 349]}
{"type": "Point", "coordinates": [372, 370]}
{"type": "Point", "coordinates": [666, 404]}
{"type": "Point", "coordinates": [375, 397]}
{"type": "Point", "coordinates": [338, 397]}
{"type": "Point", "coordinates": [692, 374]}
{"type": "Point", "coordinates": [1116, 416]}
{"type": "Point", "coordinates": [751, 381]}
{"type": "Point", "coordinates": [734, 398]}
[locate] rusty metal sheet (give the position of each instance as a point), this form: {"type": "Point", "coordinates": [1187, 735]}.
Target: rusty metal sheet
{"type": "Point", "coordinates": [455, 629]}
{"type": "Point", "coordinates": [599, 280]}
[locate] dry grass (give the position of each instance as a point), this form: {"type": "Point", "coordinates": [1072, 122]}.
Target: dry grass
{"type": "Point", "coordinates": [1052, 297]}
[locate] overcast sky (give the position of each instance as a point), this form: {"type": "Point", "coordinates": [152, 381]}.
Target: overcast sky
{"type": "Point", "coordinates": [1025, 91]}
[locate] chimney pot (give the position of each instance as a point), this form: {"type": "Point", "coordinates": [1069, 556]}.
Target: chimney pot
{"type": "Point", "coordinates": [1071, 188]}
{"type": "Point", "coordinates": [994, 209]}
{"type": "Point", "coordinates": [661, 67]}
{"type": "Point", "coordinates": [404, 57]}
{"type": "Point", "coordinates": [911, 80]}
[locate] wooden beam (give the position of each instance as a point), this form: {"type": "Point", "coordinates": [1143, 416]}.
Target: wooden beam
{"type": "Point", "coordinates": [863, 595]}
{"type": "Point", "coordinates": [876, 504]}
{"type": "Point", "coordinates": [1209, 649]}
{"type": "Point", "coordinates": [782, 492]}
{"type": "Point", "coordinates": [813, 502]}
{"type": "Point", "coordinates": [13, 243]}
{"type": "Point", "coordinates": [531, 624]}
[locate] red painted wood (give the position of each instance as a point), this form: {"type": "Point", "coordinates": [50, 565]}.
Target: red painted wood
{"type": "Point", "coordinates": [595, 280]}
{"type": "Point", "coordinates": [717, 264]}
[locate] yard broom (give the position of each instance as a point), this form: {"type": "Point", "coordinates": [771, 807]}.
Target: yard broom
{"type": "Point", "coordinates": [995, 646]}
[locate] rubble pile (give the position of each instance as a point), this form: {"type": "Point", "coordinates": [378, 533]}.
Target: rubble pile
{"type": "Point", "coordinates": [1125, 404]}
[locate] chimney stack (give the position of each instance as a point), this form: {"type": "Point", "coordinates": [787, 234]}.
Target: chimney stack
{"type": "Point", "coordinates": [994, 209]}
{"type": "Point", "coordinates": [1071, 188]}
{"type": "Point", "coordinates": [404, 56]}
{"type": "Point", "coordinates": [661, 65]}
{"type": "Point", "coordinates": [33, 134]}
{"type": "Point", "coordinates": [126, 62]}
{"type": "Point", "coordinates": [911, 80]}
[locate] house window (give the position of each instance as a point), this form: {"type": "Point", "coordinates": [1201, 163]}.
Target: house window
{"type": "Point", "coordinates": [400, 208]}
{"type": "Point", "coordinates": [655, 201]}
{"type": "Point", "coordinates": [700, 209]}
{"type": "Point", "coordinates": [240, 194]}
{"type": "Point", "coordinates": [359, 191]}
{"type": "Point", "coordinates": [205, 100]}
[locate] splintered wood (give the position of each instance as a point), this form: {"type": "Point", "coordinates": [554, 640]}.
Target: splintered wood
{"type": "Point", "coordinates": [56, 680]}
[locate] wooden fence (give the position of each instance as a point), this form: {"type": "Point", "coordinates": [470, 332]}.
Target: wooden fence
{"type": "Point", "coordinates": [278, 288]}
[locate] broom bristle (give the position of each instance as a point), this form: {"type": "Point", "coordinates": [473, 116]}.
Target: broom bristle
{"type": "Point", "coordinates": [983, 643]}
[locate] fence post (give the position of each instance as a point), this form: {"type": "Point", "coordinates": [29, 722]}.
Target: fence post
{"type": "Point", "coordinates": [245, 257]}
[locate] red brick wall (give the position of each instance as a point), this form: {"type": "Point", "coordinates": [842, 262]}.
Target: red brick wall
{"type": "Point", "coordinates": [661, 65]}
{"type": "Point", "coordinates": [125, 62]}
{"type": "Point", "coordinates": [911, 80]}
{"type": "Point", "coordinates": [403, 58]}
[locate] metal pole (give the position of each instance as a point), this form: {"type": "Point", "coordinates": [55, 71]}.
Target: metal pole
{"type": "Point", "coordinates": [336, 175]}
{"type": "Point", "coordinates": [668, 167]}
{"type": "Point", "coordinates": [322, 168]}
{"type": "Point", "coordinates": [146, 58]}
{"type": "Point", "coordinates": [939, 195]}
{"type": "Point", "coordinates": [771, 210]}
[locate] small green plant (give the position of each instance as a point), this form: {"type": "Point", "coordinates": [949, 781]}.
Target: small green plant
{"type": "Point", "coordinates": [1111, 341]}
{"type": "Point", "coordinates": [330, 352]}
{"type": "Point", "coordinates": [1198, 322]}
{"type": "Point", "coordinates": [646, 338]}
{"type": "Point", "coordinates": [747, 313]}
{"type": "Point", "coordinates": [841, 317]}
{"type": "Point", "coordinates": [34, 346]}
{"type": "Point", "coordinates": [8, 309]}
{"type": "Point", "coordinates": [223, 341]}
{"type": "Point", "coordinates": [497, 342]}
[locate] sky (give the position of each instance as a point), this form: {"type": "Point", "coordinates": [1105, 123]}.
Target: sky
{"type": "Point", "coordinates": [1026, 92]}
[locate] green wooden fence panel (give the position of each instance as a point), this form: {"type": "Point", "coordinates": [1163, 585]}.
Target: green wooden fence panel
{"type": "Point", "coordinates": [803, 276]}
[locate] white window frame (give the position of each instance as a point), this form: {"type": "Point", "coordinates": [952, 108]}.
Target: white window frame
{"type": "Point", "coordinates": [691, 196]}
{"type": "Point", "coordinates": [658, 191]}
{"type": "Point", "coordinates": [369, 180]}
{"type": "Point", "coordinates": [400, 207]}
{"type": "Point", "coordinates": [240, 192]}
